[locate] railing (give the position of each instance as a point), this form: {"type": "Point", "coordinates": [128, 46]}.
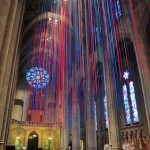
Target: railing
{"type": "Point", "coordinates": [26, 123]}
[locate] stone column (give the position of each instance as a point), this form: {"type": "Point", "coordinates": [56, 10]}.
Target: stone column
{"type": "Point", "coordinates": [4, 12]}
{"type": "Point", "coordinates": [65, 129]}
{"type": "Point", "coordinates": [91, 140]}
{"type": "Point", "coordinates": [61, 137]}
{"type": "Point", "coordinates": [4, 49]}
{"type": "Point", "coordinates": [113, 126]}
{"type": "Point", "coordinates": [142, 62]}
{"type": "Point", "coordinates": [10, 96]}
{"type": "Point", "coordinates": [109, 79]}
{"type": "Point", "coordinates": [75, 78]}
{"type": "Point", "coordinates": [9, 60]}
{"type": "Point", "coordinates": [17, 112]}
{"type": "Point", "coordinates": [1, 3]}
{"type": "Point", "coordinates": [75, 122]}
{"type": "Point", "coordinates": [99, 107]}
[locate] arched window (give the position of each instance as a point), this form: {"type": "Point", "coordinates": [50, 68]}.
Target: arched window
{"type": "Point", "coordinates": [129, 99]}
{"type": "Point", "coordinates": [117, 9]}
{"type": "Point", "coordinates": [105, 113]}
{"type": "Point", "coordinates": [95, 116]}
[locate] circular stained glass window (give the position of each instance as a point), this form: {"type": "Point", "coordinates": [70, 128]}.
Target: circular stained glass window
{"type": "Point", "coordinates": [37, 77]}
{"type": "Point", "coordinates": [126, 75]}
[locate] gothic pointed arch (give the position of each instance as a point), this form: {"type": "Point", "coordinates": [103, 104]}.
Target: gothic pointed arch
{"type": "Point", "coordinates": [33, 141]}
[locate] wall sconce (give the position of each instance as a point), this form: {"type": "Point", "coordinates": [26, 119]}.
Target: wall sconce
{"type": "Point", "coordinates": [17, 137]}
{"type": "Point", "coordinates": [34, 135]}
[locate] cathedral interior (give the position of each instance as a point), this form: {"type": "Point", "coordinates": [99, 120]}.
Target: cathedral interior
{"type": "Point", "coordinates": [74, 75]}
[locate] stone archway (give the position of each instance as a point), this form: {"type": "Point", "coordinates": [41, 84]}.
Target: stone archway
{"type": "Point", "coordinates": [33, 141]}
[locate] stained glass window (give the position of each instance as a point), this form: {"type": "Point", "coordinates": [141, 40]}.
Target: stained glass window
{"type": "Point", "coordinates": [126, 75]}
{"type": "Point", "coordinates": [37, 77]}
{"type": "Point", "coordinates": [133, 102]}
{"type": "Point", "coordinates": [95, 117]}
{"type": "Point", "coordinates": [117, 9]}
{"type": "Point", "coordinates": [129, 98]}
{"type": "Point", "coordinates": [126, 104]}
{"type": "Point", "coordinates": [105, 113]}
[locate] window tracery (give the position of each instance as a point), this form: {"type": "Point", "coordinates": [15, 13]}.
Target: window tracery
{"type": "Point", "coordinates": [129, 98]}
